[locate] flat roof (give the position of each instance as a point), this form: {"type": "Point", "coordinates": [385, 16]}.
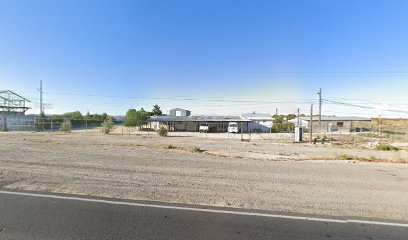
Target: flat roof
{"type": "Point", "coordinates": [258, 116]}
{"type": "Point", "coordinates": [197, 119]}
{"type": "Point", "coordinates": [334, 118]}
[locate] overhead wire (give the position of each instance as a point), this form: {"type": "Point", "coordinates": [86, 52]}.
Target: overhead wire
{"type": "Point", "coordinates": [187, 98]}
{"type": "Point", "coordinates": [363, 107]}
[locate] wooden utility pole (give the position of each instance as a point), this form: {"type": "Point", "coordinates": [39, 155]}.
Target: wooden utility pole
{"type": "Point", "coordinates": [298, 117]}
{"type": "Point", "coordinates": [311, 123]}
{"type": "Point", "coordinates": [320, 109]}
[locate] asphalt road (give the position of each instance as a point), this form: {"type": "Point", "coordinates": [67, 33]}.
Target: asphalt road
{"type": "Point", "coordinates": [41, 217]}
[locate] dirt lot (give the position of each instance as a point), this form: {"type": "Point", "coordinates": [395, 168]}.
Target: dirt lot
{"type": "Point", "coordinates": [227, 172]}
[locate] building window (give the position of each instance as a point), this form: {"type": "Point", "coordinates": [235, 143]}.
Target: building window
{"type": "Point", "coordinates": [340, 124]}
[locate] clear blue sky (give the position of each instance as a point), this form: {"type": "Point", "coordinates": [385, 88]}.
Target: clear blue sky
{"type": "Point", "coordinates": [234, 50]}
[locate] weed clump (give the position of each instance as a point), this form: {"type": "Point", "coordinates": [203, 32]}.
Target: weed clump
{"type": "Point", "coordinates": [196, 149]}
{"type": "Point", "coordinates": [162, 131]}
{"type": "Point", "coordinates": [346, 157]}
{"type": "Point", "coordinates": [386, 147]}
{"type": "Point", "coordinates": [107, 125]}
{"type": "Point", "coordinates": [66, 126]}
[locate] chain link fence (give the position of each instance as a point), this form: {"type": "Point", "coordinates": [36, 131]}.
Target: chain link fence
{"type": "Point", "coordinates": [48, 124]}
{"type": "Point", "coordinates": [56, 124]}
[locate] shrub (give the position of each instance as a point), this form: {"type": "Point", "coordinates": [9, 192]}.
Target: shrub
{"type": "Point", "coordinates": [66, 126]}
{"type": "Point", "coordinates": [107, 125]}
{"type": "Point", "coordinates": [196, 149]}
{"type": "Point", "coordinates": [169, 146]}
{"type": "Point", "coordinates": [162, 131]}
{"type": "Point", "coordinates": [386, 147]}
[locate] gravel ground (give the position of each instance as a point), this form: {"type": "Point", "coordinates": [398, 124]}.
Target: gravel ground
{"type": "Point", "coordinates": [139, 167]}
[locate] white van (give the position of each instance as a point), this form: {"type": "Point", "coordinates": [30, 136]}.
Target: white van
{"type": "Point", "coordinates": [233, 127]}
{"type": "Point", "coordinates": [204, 128]}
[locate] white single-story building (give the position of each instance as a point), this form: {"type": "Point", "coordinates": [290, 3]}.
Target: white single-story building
{"type": "Point", "coordinates": [185, 122]}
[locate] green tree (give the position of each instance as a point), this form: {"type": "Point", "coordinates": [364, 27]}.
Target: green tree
{"type": "Point", "coordinates": [156, 111]}
{"type": "Point", "coordinates": [136, 118]}
{"type": "Point", "coordinates": [98, 117]}
{"type": "Point", "coordinates": [104, 116]}
{"type": "Point", "coordinates": [73, 115]}
{"type": "Point", "coordinates": [281, 123]}
{"type": "Point", "coordinates": [77, 115]}
{"type": "Point", "coordinates": [55, 117]}
{"type": "Point", "coordinates": [291, 116]}
{"type": "Point", "coordinates": [131, 119]}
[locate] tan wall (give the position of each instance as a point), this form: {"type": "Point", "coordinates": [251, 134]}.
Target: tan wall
{"type": "Point", "coordinates": [347, 125]}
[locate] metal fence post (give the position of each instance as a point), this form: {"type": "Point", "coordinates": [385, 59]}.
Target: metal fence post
{"type": "Point", "coordinates": [242, 133]}
{"type": "Point", "coordinates": [311, 124]}
{"type": "Point", "coordinates": [5, 122]}
{"type": "Point", "coordinates": [249, 126]}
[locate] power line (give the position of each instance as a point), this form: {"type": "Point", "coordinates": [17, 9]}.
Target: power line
{"type": "Point", "coordinates": [364, 107]}
{"type": "Point", "coordinates": [332, 72]}
{"type": "Point", "coordinates": [185, 98]}
{"type": "Point", "coordinates": [370, 102]}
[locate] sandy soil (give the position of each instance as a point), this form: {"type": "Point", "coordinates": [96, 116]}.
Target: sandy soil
{"type": "Point", "coordinates": [140, 167]}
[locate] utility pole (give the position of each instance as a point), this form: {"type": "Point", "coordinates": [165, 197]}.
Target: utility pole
{"type": "Point", "coordinates": [41, 99]}
{"type": "Point", "coordinates": [320, 109]}
{"type": "Point", "coordinates": [276, 114]}
{"type": "Point", "coordinates": [311, 124]}
{"type": "Point", "coordinates": [298, 117]}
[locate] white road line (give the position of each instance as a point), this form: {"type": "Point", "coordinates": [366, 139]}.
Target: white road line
{"type": "Point", "coordinates": [206, 210]}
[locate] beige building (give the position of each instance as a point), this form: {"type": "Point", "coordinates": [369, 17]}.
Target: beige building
{"type": "Point", "coordinates": [335, 124]}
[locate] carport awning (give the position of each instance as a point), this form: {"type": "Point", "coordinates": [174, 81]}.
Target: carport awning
{"type": "Point", "coordinates": [196, 119]}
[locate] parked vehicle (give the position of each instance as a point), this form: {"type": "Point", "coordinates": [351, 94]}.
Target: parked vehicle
{"type": "Point", "coordinates": [233, 127]}
{"type": "Point", "coordinates": [204, 128]}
